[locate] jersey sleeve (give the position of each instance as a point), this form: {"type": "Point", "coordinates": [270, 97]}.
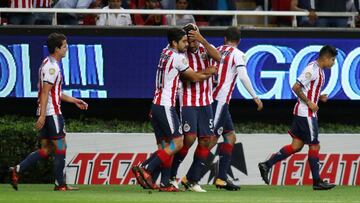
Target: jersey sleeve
{"type": "Point", "coordinates": [50, 74]}
{"type": "Point", "coordinates": [306, 76]}
{"type": "Point", "coordinates": [239, 59]}
{"type": "Point", "coordinates": [181, 63]}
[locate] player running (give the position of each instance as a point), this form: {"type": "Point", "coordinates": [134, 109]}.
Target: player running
{"type": "Point", "coordinates": [304, 129]}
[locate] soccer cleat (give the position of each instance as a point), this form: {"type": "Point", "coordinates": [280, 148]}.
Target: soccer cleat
{"type": "Point", "coordinates": [14, 177]}
{"type": "Point", "coordinates": [196, 188]}
{"type": "Point", "coordinates": [139, 178]}
{"type": "Point", "coordinates": [227, 185]}
{"type": "Point", "coordinates": [169, 188]}
{"type": "Point", "coordinates": [174, 182]}
{"type": "Point", "coordinates": [185, 182]}
{"type": "Point", "coordinates": [147, 178]}
{"type": "Point", "coordinates": [264, 171]}
{"type": "Point", "coordinates": [65, 188]}
{"type": "Point", "coordinates": [322, 185]}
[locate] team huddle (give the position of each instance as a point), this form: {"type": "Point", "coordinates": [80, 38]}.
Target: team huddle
{"type": "Point", "coordinates": [202, 77]}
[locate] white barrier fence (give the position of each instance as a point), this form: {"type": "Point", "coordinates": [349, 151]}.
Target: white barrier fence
{"type": "Point", "coordinates": [107, 158]}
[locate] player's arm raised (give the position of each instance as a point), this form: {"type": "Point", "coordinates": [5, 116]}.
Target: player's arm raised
{"type": "Point", "coordinates": [78, 102]}
{"type": "Point", "coordinates": [297, 90]}
{"type": "Point", "coordinates": [44, 95]}
{"type": "Point", "coordinates": [193, 76]}
{"type": "Point", "coordinates": [212, 52]}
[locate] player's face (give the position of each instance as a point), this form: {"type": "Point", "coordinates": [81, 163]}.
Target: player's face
{"type": "Point", "coordinates": [63, 49]}
{"type": "Point", "coordinates": [329, 62]}
{"type": "Point", "coordinates": [193, 45]}
{"type": "Point", "coordinates": [183, 44]}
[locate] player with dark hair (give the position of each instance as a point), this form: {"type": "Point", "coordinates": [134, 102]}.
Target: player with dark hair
{"type": "Point", "coordinates": [165, 121]}
{"type": "Point", "coordinates": [304, 129]}
{"type": "Point", "coordinates": [50, 120]}
{"type": "Point", "coordinates": [195, 107]}
{"type": "Point", "coordinates": [231, 67]}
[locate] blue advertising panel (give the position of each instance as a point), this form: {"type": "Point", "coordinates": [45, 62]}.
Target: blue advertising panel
{"type": "Point", "coordinates": [124, 67]}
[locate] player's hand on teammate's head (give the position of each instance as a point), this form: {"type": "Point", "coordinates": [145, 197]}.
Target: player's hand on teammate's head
{"type": "Point", "coordinates": [324, 97]}
{"type": "Point", "coordinates": [195, 35]}
{"type": "Point", "coordinates": [258, 103]}
{"type": "Point", "coordinates": [81, 104]}
{"type": "Point", "coordinates": [40, 122]}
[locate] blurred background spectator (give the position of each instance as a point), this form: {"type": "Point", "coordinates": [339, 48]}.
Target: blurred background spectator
{"type": "Point", "coordinates": [331, 6]}
{"type": "Point", "coordinates": [70, 18]}
{"type": "Point", "coordinates": [281, 5]}
{"type": "Point", "coordinates": [305, 5]}
{"type": "Point", "coordinates": [43, 18]}
{"type": "Point", "coordinates": [168, 4]}
{"type": "Point", "coordinates": [151, 19]}
{"type": "Point", "coordinates": [181, 20]}
{"type": "Point", "coordinates": [114, 19]}
{"type": "Point", "coordinates": [221, 5]}
{"type": "Point", "coordinates": [21, 18]}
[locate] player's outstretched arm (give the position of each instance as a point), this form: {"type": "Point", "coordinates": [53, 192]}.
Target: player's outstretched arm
{"type": "Point", "coordinates": [78, 102]}
{"type": "Point", "coordinates": [193, 76]}
{"type": "Point", "coordinates": [297, 90]}
{"type": "Point", "coordinates": [44, 95]}
{"type": "Point", "coordinates": [245, 80]}
{"type": "Point", "coordinates": [213, 53]}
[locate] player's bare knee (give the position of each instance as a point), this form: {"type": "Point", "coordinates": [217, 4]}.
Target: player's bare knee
{"type": "Point", "coordinates": [315, 147]}
{"type": "Point", "coordinates": [230, 138]}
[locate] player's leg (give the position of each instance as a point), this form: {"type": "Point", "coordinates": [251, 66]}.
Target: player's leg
{"type": "Point", "coordinates": [33, 157]}
{"type": "Point", "coordinates": [298, 132]}
{"type": "Point", "coordinates": [189, 123]}
{"type": "Point", "coordinates": [313, 156]}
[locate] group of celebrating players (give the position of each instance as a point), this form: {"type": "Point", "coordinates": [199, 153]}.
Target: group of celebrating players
{"type": "Point", "coordinates": [203, 78]}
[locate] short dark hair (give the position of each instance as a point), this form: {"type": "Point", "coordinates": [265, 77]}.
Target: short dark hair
{"type": "Point", "coordinates": [179, 0]}
{"type": "Point", "coordinates": [175, 34]}
{"type": "Point", "coordinates": [232, 34]}
{"type": "Point", "coordinates": [55, 40]}
{"type": "Point", "coordinates": [328, 50]}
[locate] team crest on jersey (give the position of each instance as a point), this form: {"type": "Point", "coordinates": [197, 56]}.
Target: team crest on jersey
{"type": "Point", "coordinates": [52, 71]}
{"type": "Point", "coordinates": [203, 56]}
{"type": "Point", "coordinates": [186, 127]}
{"type": "Point", "coordinates": [220, 131]}
{"type": "Point", "coordinates": [307, 75]}
{"type": "Point", "coordinates": [185, 61]}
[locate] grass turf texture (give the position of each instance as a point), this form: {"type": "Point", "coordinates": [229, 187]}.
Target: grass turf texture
{"type": "Point", "coordinates": [133, 193]}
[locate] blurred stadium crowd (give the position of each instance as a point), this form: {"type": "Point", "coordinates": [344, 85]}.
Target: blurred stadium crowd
{"type": "Point", "coordinates": [312, 6]}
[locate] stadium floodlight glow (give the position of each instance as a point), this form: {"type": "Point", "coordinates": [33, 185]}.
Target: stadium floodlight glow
{"type": "Point", "coordinates": [350, 77]}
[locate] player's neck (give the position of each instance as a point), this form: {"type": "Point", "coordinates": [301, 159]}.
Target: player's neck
{"type": "Point", "coordinates": [56, 57]}
{"type": "Point", "coordinates": [232, 44]}
{"type": "Point", "coordinates": [320, 63]}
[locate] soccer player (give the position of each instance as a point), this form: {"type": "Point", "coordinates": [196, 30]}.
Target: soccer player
{"type": "Point", "coordinates": [167, 127]}
{"type": "Point", "coordinates": [50, 120]}
{"type": "Point", "coordinates": [304, 129]}
{"type": "Point", "coordinates": [231, 67]}
{"type": "Point", "coordinates": [196, 111]}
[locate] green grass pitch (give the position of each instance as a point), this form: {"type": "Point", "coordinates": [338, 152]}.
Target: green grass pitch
{"type": "Point", "coordinates": [133, 193]}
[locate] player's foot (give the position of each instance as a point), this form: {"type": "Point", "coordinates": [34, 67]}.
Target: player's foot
{"type": "Point", "coordinates": [264, 171]}
{"type": "Point", "coordinates": [14, 177]}
{"type": "Point", "coordinates": [185, 182]}
{"type": "Point", "coordinates": [169, 188]}
{"type": "Point", "coordinates": [147, 178]}
{"type": "Point", "coordinates": [322, 185]}
{"type": "Point", "coordinates": [139, 178]}
{"type": "Point", "coordinates": [195, 187]}
{"type": "Point", "coordinates": [174, 182]}
{"type": "Point", "coordinates": [227, 185]}
{"type": "Point", "coordinates": [65, 188]}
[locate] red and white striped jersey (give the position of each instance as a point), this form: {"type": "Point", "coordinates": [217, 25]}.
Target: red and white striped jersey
{"type": "Point", "coordinates": [50, 73]}
{"type": "Point", "coordinates": [171, 63]}
{"type": "Point", "coordinates": [42, 3]}
{"type": "Point", "coordinates": [199, 93]}
{"type": "Point", "coordinates": [311, 79]}
{"type": "Point", "coordinates": [21, 3]}
{"type": "Point", "coordinates": [231, 59]}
